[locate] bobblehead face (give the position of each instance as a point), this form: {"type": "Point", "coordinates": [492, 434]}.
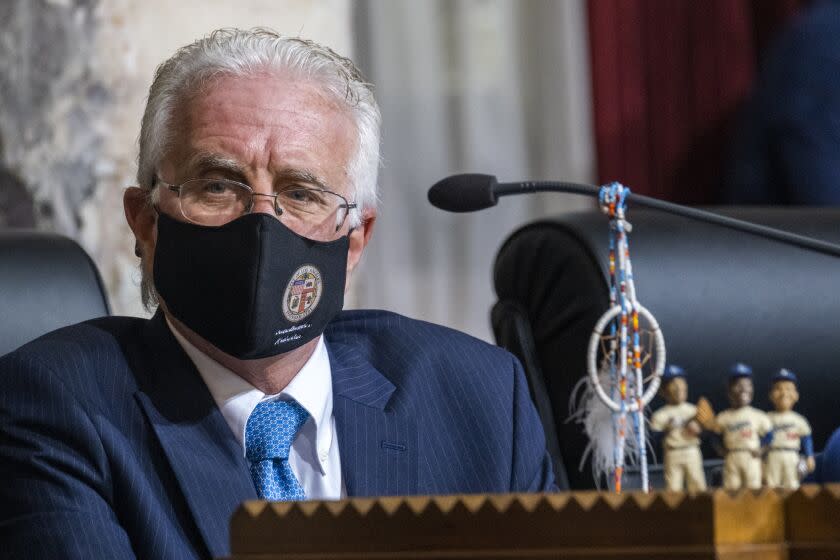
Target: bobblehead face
{"type": "Point", "coordinates": [675, 391]}
{"type": "Point", "coordinates": [784, 395]}
{"type": "Point", "coordinates": [741, 392]}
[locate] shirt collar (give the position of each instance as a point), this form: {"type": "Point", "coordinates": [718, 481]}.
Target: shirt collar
{"type": "Point", "coordinates": [236, 398]}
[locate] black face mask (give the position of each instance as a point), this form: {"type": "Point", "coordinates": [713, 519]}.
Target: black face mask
{"type": "Point", "coordinates": [253, 288]}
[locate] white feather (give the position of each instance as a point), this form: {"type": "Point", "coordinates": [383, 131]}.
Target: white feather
{"type": "Point", "coordinates": [600, 424]}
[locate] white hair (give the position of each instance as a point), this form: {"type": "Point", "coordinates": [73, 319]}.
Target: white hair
{"type": "Point", "coordinates": [240, 52]}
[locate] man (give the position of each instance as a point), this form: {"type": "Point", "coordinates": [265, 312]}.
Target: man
{"type": "Point", "coordinates": [742, 428]}
{"type": "Point", "coordinates": [791, 435]}
{"type": "Point", "coordinates": [681, 444]}
{"type": "Point", "coordinates": [124, 437]}
{"type": "Point", "coordinates": [784, 147]}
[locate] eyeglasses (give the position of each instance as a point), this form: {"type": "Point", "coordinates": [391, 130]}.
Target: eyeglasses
{"type": "Point", "coordinates": [314, 213]}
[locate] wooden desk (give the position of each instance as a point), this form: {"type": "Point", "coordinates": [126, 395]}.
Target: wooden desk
{"type": "Point", "coordinates": [766, 525]}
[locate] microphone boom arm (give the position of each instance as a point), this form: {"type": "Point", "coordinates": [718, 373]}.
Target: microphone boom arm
{"type": "Point", "coordinates": [504, 189]}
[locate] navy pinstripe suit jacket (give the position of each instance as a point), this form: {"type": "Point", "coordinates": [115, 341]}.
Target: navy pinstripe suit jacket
{"type": "Point", "coordinates": [112, 446]}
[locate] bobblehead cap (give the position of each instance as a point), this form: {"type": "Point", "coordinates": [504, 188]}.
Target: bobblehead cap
{"type": "Point", "coordinates": [672, 371]}
{"type": "Point", "coordinates": [740, 370]}
{"type": "Point", "coordinates": [785, 375]}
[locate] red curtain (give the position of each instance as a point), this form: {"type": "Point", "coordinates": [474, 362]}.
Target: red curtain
{"type": "Point", "coordinates": [668, 77]}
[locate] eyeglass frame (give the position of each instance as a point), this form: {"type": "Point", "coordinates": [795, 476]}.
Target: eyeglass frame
{"type": "Point", "coordinates": [176, 188]}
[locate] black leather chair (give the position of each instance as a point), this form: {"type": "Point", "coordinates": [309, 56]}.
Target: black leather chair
{"type": "Point", "coordinates": [719, 295]}
{"type": "Point", "coordinates": [47, 281]}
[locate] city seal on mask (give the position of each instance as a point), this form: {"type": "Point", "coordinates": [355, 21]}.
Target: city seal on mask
{"type": "Point", "coordinates": [252, 288]}
{"type": "Point", "coordinates": [302, 293]}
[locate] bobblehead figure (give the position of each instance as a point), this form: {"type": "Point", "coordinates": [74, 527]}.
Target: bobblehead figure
{"type": "Point", "coordinates": [791, 435]}
{"type": "Point", "coordinates": [741, 427]}
{"type": "Point", "coordinates": [681, 441]}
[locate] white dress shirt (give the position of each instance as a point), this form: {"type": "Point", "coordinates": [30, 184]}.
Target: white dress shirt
{"type": "Point", "coordinates": [314, 454]}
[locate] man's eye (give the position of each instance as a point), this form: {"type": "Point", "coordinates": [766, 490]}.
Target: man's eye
{"type": "Point", "coordinates": [216, 187]}
{"type": "Point", "coordinates": [302, 195]}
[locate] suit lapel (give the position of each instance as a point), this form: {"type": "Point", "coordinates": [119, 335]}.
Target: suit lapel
{"type": "Point", "coordinates": [201, 449]}
{"type": "Point", "coordinates": [377, 438]}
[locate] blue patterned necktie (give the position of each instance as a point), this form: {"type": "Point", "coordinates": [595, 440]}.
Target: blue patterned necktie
{"type": "Point", "coordinates": [269, 434]}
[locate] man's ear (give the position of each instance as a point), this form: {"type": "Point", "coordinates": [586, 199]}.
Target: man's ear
{"type": "Point", "coordinates": [141, 218]}
{"type": "Point", "coordinates": [359, 239]}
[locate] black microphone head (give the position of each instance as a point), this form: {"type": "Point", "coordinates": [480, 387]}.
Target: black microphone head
{"type": "Point", "coordinates": [464, 193]}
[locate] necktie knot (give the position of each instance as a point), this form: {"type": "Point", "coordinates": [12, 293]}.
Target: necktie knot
{"type": "Point", "coordinates": [271, 429]}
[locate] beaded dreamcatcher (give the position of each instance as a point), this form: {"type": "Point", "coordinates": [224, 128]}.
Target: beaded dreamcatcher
{"type": "Point", "coordinates": [626, 358]}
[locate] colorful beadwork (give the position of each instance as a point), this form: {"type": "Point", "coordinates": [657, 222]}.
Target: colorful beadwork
{"type": "Point", "coordinates": [623, 355]}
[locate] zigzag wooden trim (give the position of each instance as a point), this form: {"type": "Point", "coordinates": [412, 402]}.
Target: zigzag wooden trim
{"type": "Point", "coordinates": [595, 524]}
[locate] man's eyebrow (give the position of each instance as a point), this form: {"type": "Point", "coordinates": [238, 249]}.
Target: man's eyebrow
{"type": "Point", "coordinates": [302, 176]}
{"type": "Point", "coordinates": [206, 161]}
{"type": "Point", "coordinates": [203, 162]}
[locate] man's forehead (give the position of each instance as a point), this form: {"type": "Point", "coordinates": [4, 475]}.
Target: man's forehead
{"type": "Point", "coordinates": [239, 123]}
{"type": "Point", "coordinates": [268, 87]}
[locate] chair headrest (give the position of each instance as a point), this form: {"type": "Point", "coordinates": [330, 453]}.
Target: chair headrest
{"type": "Point", "coordinates": [47, 281]}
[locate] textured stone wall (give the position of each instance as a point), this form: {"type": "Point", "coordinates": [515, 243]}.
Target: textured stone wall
{"type": "Point", "coordinates": [50, 95]}
{"type": "Point", "coordinates": [73, 79]}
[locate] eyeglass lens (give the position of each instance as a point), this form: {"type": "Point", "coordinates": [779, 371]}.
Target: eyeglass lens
{"type": "Point", "coordinates": [309, 212]}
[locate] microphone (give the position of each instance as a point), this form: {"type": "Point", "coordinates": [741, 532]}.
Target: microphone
{"type": "Point", "coordinates": [464, 193]}
{"type": "Point", "coordinates": [474, 191]}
